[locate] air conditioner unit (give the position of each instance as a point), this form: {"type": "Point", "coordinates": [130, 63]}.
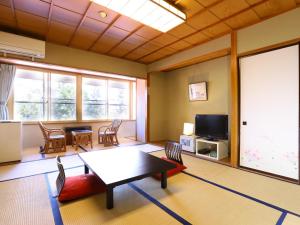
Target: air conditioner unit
{"type": "Point", "coordinates": [19, 45]}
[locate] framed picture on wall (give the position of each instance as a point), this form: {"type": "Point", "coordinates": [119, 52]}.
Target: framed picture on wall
{"type": "Point", "coordinates": [198, 92]}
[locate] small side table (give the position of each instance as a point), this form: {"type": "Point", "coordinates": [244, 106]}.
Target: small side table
{"type": "Point", "coordinates": [82, 137]}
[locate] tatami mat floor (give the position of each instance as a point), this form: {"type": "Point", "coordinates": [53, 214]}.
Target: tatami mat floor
{"type": "Point", "coordinates": [194, 200]}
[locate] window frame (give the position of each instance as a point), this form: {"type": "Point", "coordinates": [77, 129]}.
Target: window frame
{"type": "Point", "coordinates": [78, 100]}
{"type": "Point", "coordinates": [130, 103]}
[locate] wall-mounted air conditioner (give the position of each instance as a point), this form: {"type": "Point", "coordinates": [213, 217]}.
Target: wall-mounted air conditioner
{"type": "Point", "coordinates": [20, 45]}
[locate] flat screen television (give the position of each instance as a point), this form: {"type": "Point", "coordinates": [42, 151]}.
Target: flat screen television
{"type": "Point", "coordinates": [212, 127]}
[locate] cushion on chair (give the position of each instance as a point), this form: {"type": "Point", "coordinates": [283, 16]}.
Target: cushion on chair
{"type": "Point", "coordinates": [81, 186]}
{"type": "Point", "coordinates": [172, 172]}
{"type": "Point", "coordinates": [58, 136]}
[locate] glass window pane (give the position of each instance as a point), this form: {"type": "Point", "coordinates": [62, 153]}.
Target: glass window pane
{"type": "Point", "coordinates": [118, 99]}
{"type": "Point", "coordinates": [94, 99]}
{"type": "Point", "coordinates": [30, 95]}
{"type": "Point", "coordinates": [28, 111]}
{"type": "Point", "coordinates": [63, 97]}
{"type": "Point", "coordinates": [118, 111]}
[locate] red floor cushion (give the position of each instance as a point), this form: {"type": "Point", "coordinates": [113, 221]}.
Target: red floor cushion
{"type": "Point", "coordinates": [81, 186]}
{"type": "Point", "coordinates": [172, 172]}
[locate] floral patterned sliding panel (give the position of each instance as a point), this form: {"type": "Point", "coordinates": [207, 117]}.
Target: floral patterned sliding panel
{"type": "Point", "coordinates": [269, 107]}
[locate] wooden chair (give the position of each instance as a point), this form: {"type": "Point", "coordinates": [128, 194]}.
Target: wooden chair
{"type": "Point", "coordinates": [107, 135]}
{"type": "Point", "coordinates": [55, 139]}
{"type": "Point", "coordinates": [173, 151]}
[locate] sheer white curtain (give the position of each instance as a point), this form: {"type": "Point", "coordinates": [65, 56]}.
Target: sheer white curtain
{"type": "Point", "coordinates": [7, 75]}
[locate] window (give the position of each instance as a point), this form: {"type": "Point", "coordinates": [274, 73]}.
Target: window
{"type": "Point", "coordinates": [63, 97]}
{"type": "Point", "coordinates": [30, 95]}
{"type": "Point", "coordinates": [94, 99]}
{"type": "Point", "coordinates": [118, 99]}
{"type": "Point", "coordinates": [50, 96]}
{"type": "Point", "coordinates": [106, 99]}
{"type": "Point", "coordinates": [34, 89]}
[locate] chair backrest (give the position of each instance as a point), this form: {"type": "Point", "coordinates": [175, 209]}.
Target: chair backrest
{"type": "Point", "coordinates": [61, 178]}
{"type": "Point", "coordinates": [115, 125]}
{"type": "Point", "coordinates": [173, 151]}
{"type": "Point", "coordinates": [43, 129]}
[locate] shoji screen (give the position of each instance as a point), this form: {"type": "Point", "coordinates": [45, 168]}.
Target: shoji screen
{"type": "Point", "coordinates": [269, 109]}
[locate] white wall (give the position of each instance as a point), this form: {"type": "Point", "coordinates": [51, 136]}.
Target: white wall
{"type": "Point", "coordinates": [32, 135]}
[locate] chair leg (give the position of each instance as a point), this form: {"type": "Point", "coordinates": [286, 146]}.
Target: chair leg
{"type": "Point", "coordinates": [65, 144]}
{"type": "Point", "coordinates": [116, 139]}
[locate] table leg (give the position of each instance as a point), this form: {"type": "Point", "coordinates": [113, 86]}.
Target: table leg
{"type": "Point", "coordinates": [86, 169]}
{"type": "Point", "coordinates": [110, 197]}
{"type": "Point", "coordinates": [164, 179]}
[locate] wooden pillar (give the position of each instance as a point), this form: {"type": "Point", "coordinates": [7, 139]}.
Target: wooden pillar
{"type": "Point", "coordinates": [234, 122]}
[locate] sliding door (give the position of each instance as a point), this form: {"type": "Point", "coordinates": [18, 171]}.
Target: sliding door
{"type": "Point", "coordinates": [269, 112]}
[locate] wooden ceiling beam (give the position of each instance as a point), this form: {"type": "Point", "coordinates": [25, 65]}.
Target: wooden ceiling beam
{"type": "Point", "coordinates": [49, 18]}
{"type": "Point", "coordinates": [100, 35]}
{"type": "Point", "coordinates": [211, 25]}
{"type": "Point", "coordinates": [13, 10]}
{"type": "Point", "coordinates": [80, 23]}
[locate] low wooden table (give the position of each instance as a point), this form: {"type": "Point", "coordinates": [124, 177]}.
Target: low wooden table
{"type": "Point", "coordinates": [82, 137]}
{"type": "Point", "coordinates": [119, 166]}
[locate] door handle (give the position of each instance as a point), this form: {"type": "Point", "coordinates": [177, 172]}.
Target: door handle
{"type": "Point", "coordinates": [244, 123]}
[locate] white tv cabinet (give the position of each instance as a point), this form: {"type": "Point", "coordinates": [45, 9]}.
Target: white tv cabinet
{"type": "Point", "coordinates": [211, 149]}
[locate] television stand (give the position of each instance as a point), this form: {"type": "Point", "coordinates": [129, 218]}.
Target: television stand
{"type": "Point", "coordinates": [216, 150]}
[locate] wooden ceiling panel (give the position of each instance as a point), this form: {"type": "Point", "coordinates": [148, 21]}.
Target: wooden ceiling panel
{"type": "Point", "coordinates": [35, 7]}
{"type": "Point", "coordinates": [216, 30]}
{"type": "Point", "coordinates": [274, 7]}
{"type": "Point", "coordinates": [157, 55]}
{"type": "Point", "coordinates": [202, 20]}
{"type": "Point", "coordinates": [7, 23]}
{"type": "Point", "coordinates": [94, 25]}
{"type": "Point", "coordinates": [253, 2]}
{"type": "Point", "coordinates": [135, 39]}
{"type": "Point", "coordinates": [126, 23]}
{"type": "Point", "coordinates": [60, 33]}
{"type": "Point", "coordinates": [94, 13]}
{"type": "Point", "coordinates": [5, 2]}
{"type": "Point", "coordinates": [196, 38]}
{"type": "Point", "coordinates": [6, 14]}
{"type": "Point", "coordinates": [122, 49]}
{"type": "Point", "coordinates": [182, 30]}
{"type": "Point", "coordinates": [243, 19]}
{"type": "Point", "coordinates": [109, 39]}
{"type": "Point", "coordinates": [78, 6]}
{"type": "Point", "coordinates": [32, 23]}
{"type": "Point", "coordinates": [208, 2]}
{"type": "Point", "coordinates": [190, 7]}
{"type": "Point", "coordinates": [165, 39]}
{"type": "Point", "coordinates": [65, 16]}
{"type": "Point", "coordinates": [180, 45]}
{"type": "Point", "coordinates": [84, 39]}
{"type": "Point", "coordinates": [127, 45]}
{"type": "Point", "coordinates": [133, 56]}
{"type": "Point", "coordinates": [229, 7]}
{"type": "Point", "coordinates": [147, 32]}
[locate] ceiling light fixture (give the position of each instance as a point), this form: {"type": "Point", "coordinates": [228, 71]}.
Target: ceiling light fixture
{"type": "Point", "coordinates": [102, 14]}
{"type": "Point", "coordinates": [157, 14]}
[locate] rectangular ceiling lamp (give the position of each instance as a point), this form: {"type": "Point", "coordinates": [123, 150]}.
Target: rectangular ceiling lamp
{"type": "Point", "coordinates": [157, 14]}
